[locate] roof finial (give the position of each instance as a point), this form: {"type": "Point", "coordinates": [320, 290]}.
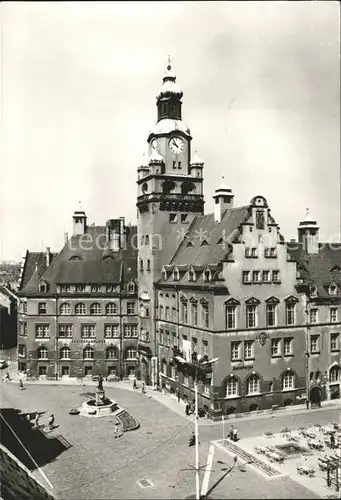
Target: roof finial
{"type": "Point", "coordinates": [169, 66]}
{"type": "Point", "coordinates": [223, 177]}
{"type": "Point", "coordinates": [307, 212]}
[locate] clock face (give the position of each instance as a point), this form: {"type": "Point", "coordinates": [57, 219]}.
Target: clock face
{"type": "Point", "coordinates": [153, 144]}
{"type": "Point", "coordinates": [176, 145]}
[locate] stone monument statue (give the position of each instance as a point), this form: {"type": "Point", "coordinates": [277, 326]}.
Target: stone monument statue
{"type": "Point", "coordinates": [100, 395]}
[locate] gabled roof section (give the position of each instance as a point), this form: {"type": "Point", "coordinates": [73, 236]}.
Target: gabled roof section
{"type": "Point", "coordinates": [321, 268]}
{"type": "Point", "coordinates": [34, 260]}
{"type": "Point", "coordinates": [205, 229]}
{"type": "Point", "coordinates": [90, 268]}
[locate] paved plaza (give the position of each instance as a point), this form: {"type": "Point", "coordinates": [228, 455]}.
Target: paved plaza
{"type": "Point", "coordinates": [83, 460]}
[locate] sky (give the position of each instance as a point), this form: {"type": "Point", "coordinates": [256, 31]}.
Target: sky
{"type": "Point", "coordinates": [261, 83]}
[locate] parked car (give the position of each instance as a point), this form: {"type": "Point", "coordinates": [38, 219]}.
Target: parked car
{"type": "Point", "coordinates": [3, 363]}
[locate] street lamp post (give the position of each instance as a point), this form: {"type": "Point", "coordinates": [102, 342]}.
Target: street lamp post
{"type": "Point", "coordinates": [198, 362]}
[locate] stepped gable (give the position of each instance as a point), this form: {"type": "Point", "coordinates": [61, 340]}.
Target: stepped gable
{"type": "Point", "coordinates": [85, 259]}
{"type": "Point", "coordinates": [204, 235]}
{"type": "Point", "coordinates": [322, 268]}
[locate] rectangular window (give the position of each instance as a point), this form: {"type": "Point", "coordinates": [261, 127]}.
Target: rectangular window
{"type": "Point", "coordinates": [253, 252]}
{"type": "Point", "coordinates": [313, 315]}
{"type": "Point", "coordinates": [174, 314]}
{"type": "Point", "coordinates": [260, 219]}
{"type": "Point", "coordinates": [173, 372]}
{"type": "Point", "coordinates": [148, 265]}
{"type": "Point", "coordinates": [167, 313]}
{"type": "Point", "coordinates": [290, 314]}
{"type": "Point", "coordinates": [88, 331]}
{"type": "Point", "coordinates": [175, 340]}
{"type": "Point", "coordinates": [194, 313]}
{"type": "Point", "coordinates": [251, 316]}
{"type": "Point", "coordinates": [275, 276]}
{"type": "Point", "coordinates": [42, 370]}
{"type": "Point", "coordinates": [184, 218]}
{"type": "Point", "coordinates": [65, 331]}
{"type": "Point", "coordinates": [205, 347]}
{"type": "Point", "coordinates": [43, 331]}
{"type": "Point", "coordinates": [266, 276]}
{"type": "Point", "coordinates": [42, 308]}
{"type": "Point", "coordinates": [146, 239]}
{"type": "Point", "coordinates": [230, 317]}
{"type": "Point", "coordinates": [334, 341]}
{"type": "Point", "coordinates": [161, 312]}
{"type": "Point", "coordinates": [130, 307]}
{"type": "Point", "coordinates": [80, 288]}
{"type": "Point", "coordinates": [172, 218]}
{"type": "Point", "coordinates": [273, 252]}
{"type": "Point", "coordinates": [235, 351]}
{"type": "Point", "coordinates": [184, 312]}
{"type": "Point", "coordinates": [186, 380]}
{"type": "Point", "coordinates": [270, 314]}
{"type": "Point", "coordinates": [111, 331]}
{"type": "Point", "coordinates": [314, 344]}
{"type": "Point", "coordinates": [205, 318]}
{"type": "Point", "coordinates": [249, 349]}
{"type": "Point", "coordinates": [287, 346]}
{"type": "Point", "coordinates": [24, 307]}
{"type": "Point", "coordinates": [168, 340]}
{"type": "Point", "coordinates": [275, 347]}
{"type": "Point", "coordinates": [256, 276]}
{"type": "Point", "coordinates": [141, 264]}
{"type": "Point", "coordinates": [246, 277]}
{"type": "Point", "coordinates": [130, 331]}
{"type": "Point", "coordinates": [23, 329]}
{"type": "Point", "coordinates": [161, 336]}
{"type": "Point", "coordinates": [333, 315]}
{"type": "Point", "coordinates": [65, 288]}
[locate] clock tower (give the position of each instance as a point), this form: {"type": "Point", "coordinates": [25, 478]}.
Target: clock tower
{"type": "Point", "coordinates": [170, 196]}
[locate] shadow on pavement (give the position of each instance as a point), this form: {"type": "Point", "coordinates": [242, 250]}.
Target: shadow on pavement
{"type": "Point", "coordinates": [44, 448]}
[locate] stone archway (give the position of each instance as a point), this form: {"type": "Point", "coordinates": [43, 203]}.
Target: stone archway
{"type": "Point", "coordinates": [315, 396]}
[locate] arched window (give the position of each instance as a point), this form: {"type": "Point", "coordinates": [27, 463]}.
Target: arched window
{"type": "Point", "coordinates": [131, 354]}
{"type": "Point", "coordinates": [112, 353]}
{"type": "Point", "coordinates": [253, 385]}
{"type": "Point", "coordinates": [334, 374]}
{"type": "Point", "coordinates": [288, 381]}
{"type": "Point", "coordinates": [65, 309]}
{"type": "Point", "coordinates": [313, 290]}
{"type": "Point", "coordinates": [88, 353]}
{"type": "Point", "coordinates": [144, 187]}
{"type": "Point", "coordinates": [131, 287]}
{"type": "Point", "coordinates": [164, 367]}
{"type": "Point", "coordinates": [65, 353]}
{"type": "Point", "coordinates": [42, 353]}
{"type": "Point", "coordinates": [95, 309]}
{"type": "Point", "coordinates": [232, 386]}
{"type": "Point", "coordinates": [111, 309]}
{"type": "Point", "coordinates": [80, 309]}
{"type": "Point", "coordinates": [191, 275]}
{"type": "Point", "coordinates": [333, 289]}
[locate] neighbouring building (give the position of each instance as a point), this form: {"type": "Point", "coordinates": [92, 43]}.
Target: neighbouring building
{"type": "Point", "coordinates": [227, 285]}
{"type": "Point", "coordinates": [8, 318]}
{"type": "Point", "coordinates": [78, 308]}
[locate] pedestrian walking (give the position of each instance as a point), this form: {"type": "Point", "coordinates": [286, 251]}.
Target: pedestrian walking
{"type": "Point", "coordinates": [7, 377]}
{"type": "Point", "coordinates": [187, 409]}
{"type": "Point", "coordinates": [36, 420]}
{"type": "Point", "coordinates": [51, 422]}
{"type": "Point", "coordinates": [235, 434]}
{"type": "Point", "coordinates": [134, 384]}
{"type": "Point", "coordinates": [231, 433]}
{"type": "Point", "coordinates": [332, 440]}
{"type": "Point", "coordinates": [178, 396]}
{"type": "Point", "coordinates": [117, 430]}
{"type": "Point", "coordinates": [21, 385]}
{"type": "Point", "coordinates": [143, 388]}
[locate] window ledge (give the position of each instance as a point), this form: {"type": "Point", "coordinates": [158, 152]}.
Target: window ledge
{"type": "Point", "coordinates": [250, 359]}
{"type": "Point", "coordinates": [276, 355]}
{"type": "Point", "coordinates": [236, 360]}
{"type": "Point", "coordinates": [335, 351]}
{"type": "Point", "coordinates": [233, 396]}
{"type": "Point", "coordinates": [253, 394]}
{"type": "Point", "coordinates": [289, 390]}
{"type": "Point", "coordinates": [288, 355]}
{"type": "Point", "coordinates": [315, 353]}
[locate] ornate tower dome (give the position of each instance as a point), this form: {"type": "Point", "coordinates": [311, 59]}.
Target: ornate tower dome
{"type": "Point", "coordinates": [169, 89]}
{"type": "Point", "coordinates": [308, 233]}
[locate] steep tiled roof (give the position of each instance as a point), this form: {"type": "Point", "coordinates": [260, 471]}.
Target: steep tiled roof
{"type": "Point", "coordinates": [33, 260]}
{"type": "Point", "coordinates": [205, 229]}
{"type": "Point", "coordinates": [84, 260]}
{"type": "Point", "coordinates": [319, 269]}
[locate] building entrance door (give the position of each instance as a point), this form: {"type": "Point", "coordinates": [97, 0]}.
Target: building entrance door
{"type": "Point", "coordinates": [315, 396]}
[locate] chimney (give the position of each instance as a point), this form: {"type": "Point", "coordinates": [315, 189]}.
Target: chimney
{"type": "Point", "coordinates": [223, 200]}
{"type": "Point", "coordinates": [66, 238]}
{"type": "Point", "coordinates": [122, 234]}
{"type": "Point", "coordinates": [79, 221]}
{"type": "Point", "coordinates": [113, 232]}
{"type": "Point", "coordinates": [48, 256]}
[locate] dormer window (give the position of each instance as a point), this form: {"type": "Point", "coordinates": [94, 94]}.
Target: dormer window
{"type": "Point", "coordinates": [207, 275]}
{"type": "Point", "coordinates": [176, 275]}
{"type": "Point", "coordinates": [164, 274]}
{"type": "Point", "coordinates": [332, 289]}
{"type": "Point", "coordinates": [313, 290]}
{"type": "Point", "coordinates": [204, 243]}
{"type": "Point", "coordinates": [131, 287]}
{"type": "Point", "coordinates": [43, 287]}
{"type": "Point", "coordinates": [191, 275]}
